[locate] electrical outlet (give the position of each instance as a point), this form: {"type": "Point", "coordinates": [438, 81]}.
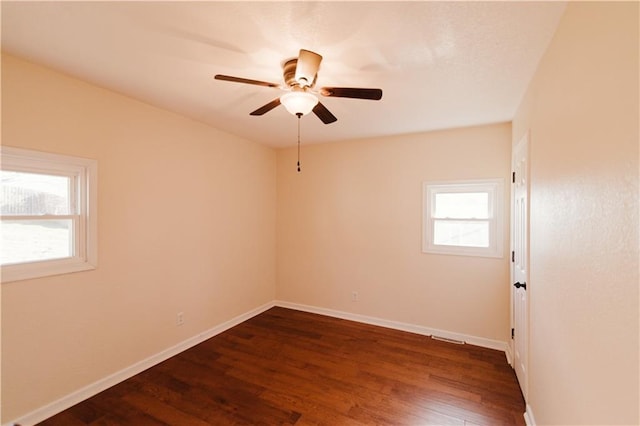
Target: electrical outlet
{"type": "Point", "coordinates": [354, 296]}
{"type": "Point", "coordinates": [180, 318]}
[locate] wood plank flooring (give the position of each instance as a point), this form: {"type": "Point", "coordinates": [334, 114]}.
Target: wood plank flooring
{"type": "Point", "coordinates": [286, 367]}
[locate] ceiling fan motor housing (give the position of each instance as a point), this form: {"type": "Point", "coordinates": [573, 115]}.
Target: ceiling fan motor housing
{"type": "Point", "coordinates": [289, 74]}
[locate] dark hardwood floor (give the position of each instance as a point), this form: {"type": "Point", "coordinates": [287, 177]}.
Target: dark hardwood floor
{"type": "Point", "coordinates": [286, 367]}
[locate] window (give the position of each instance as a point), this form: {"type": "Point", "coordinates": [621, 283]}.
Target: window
{"type": "Point", "coordinates": [48, 210]}
{"type": "Point", "coordinates": [463, 217]}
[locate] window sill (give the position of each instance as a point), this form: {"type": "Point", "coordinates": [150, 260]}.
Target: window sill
{"type": "Point", "coordinates": [27, 271]}
{"type": "Point", "coordinates": [460, 251]}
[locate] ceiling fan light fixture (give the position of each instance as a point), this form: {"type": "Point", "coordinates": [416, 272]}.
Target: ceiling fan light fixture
{"type": "Point", "coordinates": [299, 102]}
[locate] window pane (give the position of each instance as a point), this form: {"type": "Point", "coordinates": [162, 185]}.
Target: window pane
{"type": "Point", "coordinates": [33, 194]}
{"type": "Point", "coordinates": [461, 233]}
{"type": "Point", "coordinates": [462, 205]}
{"type": "Point", "coordinates": [34, 240]}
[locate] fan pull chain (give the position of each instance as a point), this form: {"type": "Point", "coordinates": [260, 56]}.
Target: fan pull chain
{"type": "Point", "coordinates": [299, 115]}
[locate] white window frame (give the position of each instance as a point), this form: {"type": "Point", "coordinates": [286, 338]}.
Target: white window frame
{"type": "Point", "coordinates": [84, 176]}
{"type": "Point", "coordinates": [493, 187]}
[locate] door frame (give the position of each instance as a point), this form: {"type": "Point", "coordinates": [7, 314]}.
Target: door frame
{"type": "Point", "coordinates": [523, 143]}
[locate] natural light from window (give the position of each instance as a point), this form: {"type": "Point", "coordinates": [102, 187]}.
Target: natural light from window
{"type": "Point", "coordinates": [35, 195]}
{"type": "Point", "coordinates": [464, 205]}
{"type": "Point", "coordinates": [463, 217]}
{"type": "Point", "coordinates": [48, 210]}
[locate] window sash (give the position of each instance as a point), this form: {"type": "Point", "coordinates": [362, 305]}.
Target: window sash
{"type": "Point", "coordinates": [434, 222]}
{"type": "Point", "coordinates": [83, 204]}
{"type": "Point", "coordinates": [31, 249]}
{"type": "Point", "coordinates": [493, 188]}
{"type": "Point", "coordinates": [487, 214]}
{"type": "Point", "coordinates": [69, 197]}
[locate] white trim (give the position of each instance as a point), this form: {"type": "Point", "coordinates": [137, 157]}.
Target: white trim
{"type": "Point", "coordinates": [411, 328]}
{"type": "Point", "coordinates": [508, 351]}
{"type": "Point", "coordinates": [528, 417]}
{"type": "Point", "coordinates": [495, 190]}
{"type": "Point", "coordinates": [88, 391]}
{"type": "Point", "coordinates": [92, 389]}
{"type": "Point", "coordinates": [84, 187]}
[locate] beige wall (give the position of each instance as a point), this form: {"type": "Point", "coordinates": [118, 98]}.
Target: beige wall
{"type": "Point", "coordinates": [582, 109]}
{"type": "Point", "coordinates": [186, 224]}
{"type": "Point", "coordinates": [351, 221]}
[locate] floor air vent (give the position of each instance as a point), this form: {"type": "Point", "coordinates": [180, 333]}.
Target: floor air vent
{"type": "Point", "coordinates": [444, 339]}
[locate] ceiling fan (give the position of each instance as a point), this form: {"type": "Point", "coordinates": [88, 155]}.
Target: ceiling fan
{"type": "Point", "coordinates": [300, 76]}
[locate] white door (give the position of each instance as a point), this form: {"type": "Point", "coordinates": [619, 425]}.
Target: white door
{"type": "Point", "coordinates": [520, 259]}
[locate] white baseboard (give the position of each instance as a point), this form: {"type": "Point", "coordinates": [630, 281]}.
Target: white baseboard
{"type": "Point", "coordinates": [80, 395]}
{"type": "Point", "coordinates": [509, 354]}
{"type": "Point", "coordinates": [528, 417]}
{"type": "Point", "coordinates": [412, 328]}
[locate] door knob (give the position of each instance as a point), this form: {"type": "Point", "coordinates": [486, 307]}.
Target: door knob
{"type": "Point", "coordinates": [519, 284]}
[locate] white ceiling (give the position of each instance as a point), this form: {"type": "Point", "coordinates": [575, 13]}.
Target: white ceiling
{"type": "Point", "coordinates": [440, 64]}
